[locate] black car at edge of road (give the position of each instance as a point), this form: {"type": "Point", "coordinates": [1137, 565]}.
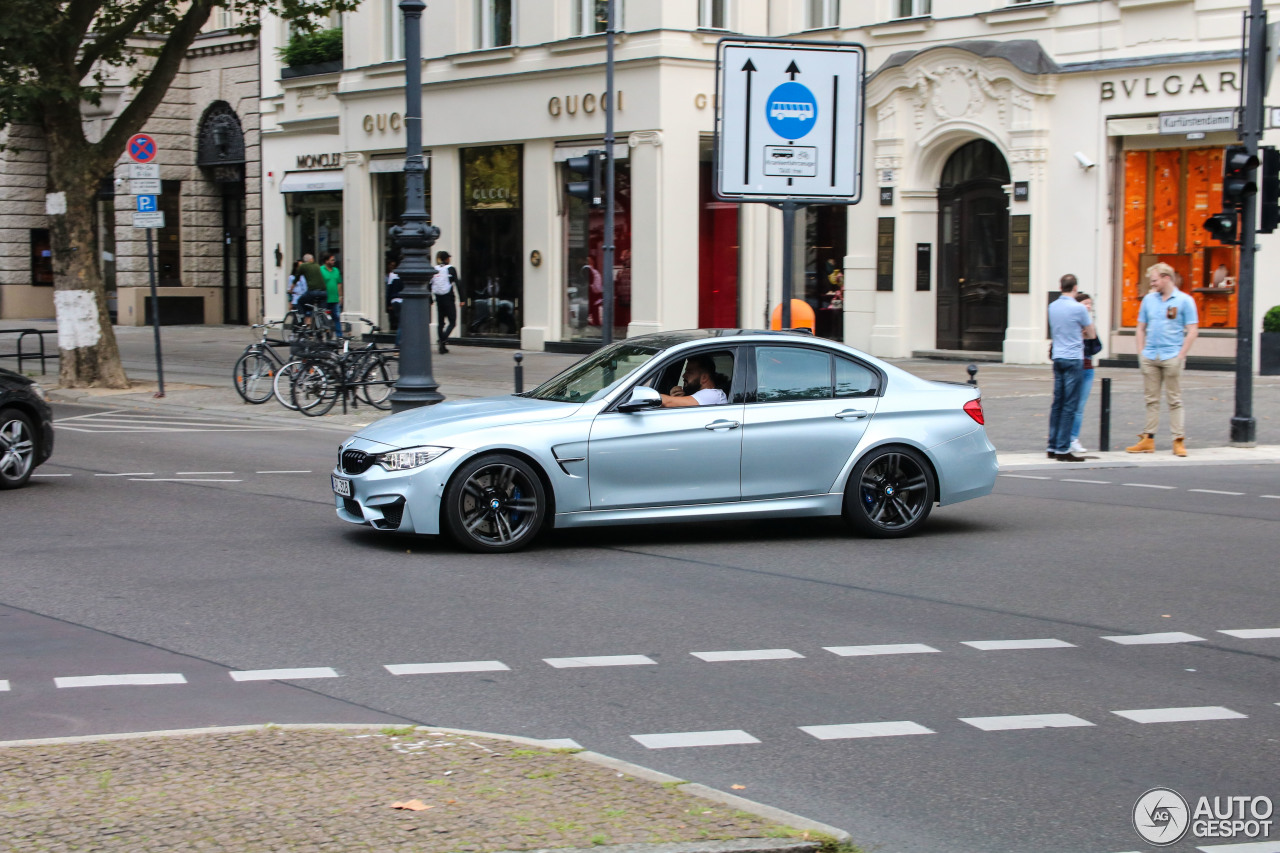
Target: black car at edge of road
{"type": "Point", "coordinates": [26, 428]}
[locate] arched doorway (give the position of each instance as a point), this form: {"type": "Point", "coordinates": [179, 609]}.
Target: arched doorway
{"type": "Point", "coordinates": [973, 233]}
{"type": "Point", "coordinates": [221, 154]}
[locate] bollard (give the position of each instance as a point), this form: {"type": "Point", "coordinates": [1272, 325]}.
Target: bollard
{"type": "Point", "coordinates": [973, 374]}
{"type": "Point", "coordinates": [1104, 428]}
{"type": "Point", "coordinates": [519, 357]}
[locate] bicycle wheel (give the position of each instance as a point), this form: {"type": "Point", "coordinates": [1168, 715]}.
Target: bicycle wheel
{"type": "Point", "coordinates": [283, 382]}
{"type": "Point", "coordinates": [254, 373]}
{"type": "Point", "coordinates": [379, 381]}
{"type": "Point", "coordinates": [316, 387]}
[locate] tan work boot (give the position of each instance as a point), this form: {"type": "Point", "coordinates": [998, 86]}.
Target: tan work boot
{"type": "Point", "coordinates": [1179, 447]}
{"type": "Point", "coordinates": [1146, 444]}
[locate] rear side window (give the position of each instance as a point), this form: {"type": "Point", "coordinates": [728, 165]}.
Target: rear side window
{"type": "Point", "coordinates": [792, 373]}
{"type": "Point", "coordinates": [855, 380]}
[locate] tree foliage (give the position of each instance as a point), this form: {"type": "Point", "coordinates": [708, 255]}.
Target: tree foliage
{"type": "Point", "coordinates": [312, 48]}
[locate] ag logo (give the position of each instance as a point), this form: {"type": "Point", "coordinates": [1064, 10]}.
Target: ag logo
{"type": "Point", "coordinates": [1161, 816]}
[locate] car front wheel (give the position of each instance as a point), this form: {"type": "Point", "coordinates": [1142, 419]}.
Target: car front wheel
{"type": "Point", "coordinates": [17, 448]}
{"type": "Point", "coordinates": [494, 503]}
{"type": "Point", "coordinates": [890, 493]}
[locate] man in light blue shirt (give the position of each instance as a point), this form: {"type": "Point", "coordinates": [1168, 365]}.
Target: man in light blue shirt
{"type": "Point", "coordinates": [1168, 325]}
{"type": "Point", "coordinates": [1069, 325]}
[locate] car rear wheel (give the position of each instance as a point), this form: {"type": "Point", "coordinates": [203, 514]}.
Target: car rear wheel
{"type": "Point", "coordinates": [890, 493]}
{"type": "Point", "coordinates": [495, 503]}
{"type": "Point", "coordinates": [17, 448]}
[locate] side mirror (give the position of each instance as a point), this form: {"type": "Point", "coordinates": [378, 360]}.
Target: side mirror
{"type": "Point", "coordinates": [642, 398]}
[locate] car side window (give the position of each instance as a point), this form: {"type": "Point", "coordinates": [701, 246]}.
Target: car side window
{"type": "Point", "coordinates": [855, 380]}
{"type": "Point", "coordinates": [792, 373]}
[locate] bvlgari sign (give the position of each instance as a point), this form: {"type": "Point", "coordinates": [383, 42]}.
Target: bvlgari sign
{"type": "Point", "coordinates": [1169, 84]}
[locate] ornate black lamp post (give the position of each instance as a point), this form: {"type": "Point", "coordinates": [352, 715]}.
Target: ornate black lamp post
{"type": "Point", "coordinates": [414, 236]}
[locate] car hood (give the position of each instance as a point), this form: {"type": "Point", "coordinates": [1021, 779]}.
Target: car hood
{"type": "Point", "coordinates": [429, 423]}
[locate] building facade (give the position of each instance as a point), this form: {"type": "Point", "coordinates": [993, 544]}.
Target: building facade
{"type": "Point", "coordinates": [1006, 143]}
{"type": "Point", "coordinates": [209, 254]}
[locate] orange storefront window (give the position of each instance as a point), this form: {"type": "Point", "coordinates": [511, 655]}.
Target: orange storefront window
{"type": "Point", "coordinates": [1167, 197]}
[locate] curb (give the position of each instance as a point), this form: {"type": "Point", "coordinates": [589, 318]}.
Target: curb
{"type": "Point", "coordinates": [745, 845]}
{"type": "Point", "coordinates": [70, 398]}
{"type": "Point", "coordinates": [1222, 455]}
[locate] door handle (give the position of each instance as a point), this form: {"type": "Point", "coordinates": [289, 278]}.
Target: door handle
{"type": "Point", "coordinates": [852, 413]}
{"type": "Point", "coordinates": [723, 425]}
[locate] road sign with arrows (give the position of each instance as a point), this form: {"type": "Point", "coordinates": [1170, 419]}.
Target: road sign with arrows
{"type": "Point", "coordinates": [789, 121]}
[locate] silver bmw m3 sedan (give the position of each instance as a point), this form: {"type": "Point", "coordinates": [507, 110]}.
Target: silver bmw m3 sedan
{"type": "Point", "coordinates": [678, 426]}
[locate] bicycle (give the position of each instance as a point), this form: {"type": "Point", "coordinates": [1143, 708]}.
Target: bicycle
{"type": "Point", "coordinates": [367, 374]}
{"type": "Point", "coordinates": [310, 334]}
{"type": "Point", "coordinates": [257, 366]}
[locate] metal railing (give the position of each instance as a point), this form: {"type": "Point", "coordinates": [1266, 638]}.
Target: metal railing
{"type": "Point", "coordinates": [22, 354]}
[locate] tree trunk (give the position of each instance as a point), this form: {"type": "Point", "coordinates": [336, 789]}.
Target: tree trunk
{"type": "Point", "coordinates": [86, 341]}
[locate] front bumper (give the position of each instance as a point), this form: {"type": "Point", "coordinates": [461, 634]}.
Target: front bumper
{"type": "Point", "coordinates": [396, 501]}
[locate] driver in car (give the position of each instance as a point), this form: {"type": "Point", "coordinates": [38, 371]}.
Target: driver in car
{"type": "Point", "coordinates": [699, 387]}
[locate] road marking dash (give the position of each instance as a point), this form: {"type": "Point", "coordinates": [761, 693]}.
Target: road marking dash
{"type": "Point", "coordinates": [1155, 639]}
{"type": "Point", "coordinates": [201, 473]}
{"type": "Point", "coordinates": [1090, 482]}
{"type": "Point", "coordinates": [1247, 847]}
{"type": "Point", "coordinates": [561, 743]}
{"type": "Point", "coordinates": [134, 680]}
{"type": "Point", "coordinates": [181, 480]}
{"type": "Point", "coordinates": [673, 740]}
{"type": "Point", "coordinates": [282, 472]}
{"type": "Point", "coordinates": [1025, 721]}
{"type": "Point", "coordinates": [50, 475]}
{"type": "Point", "coordinates": [843, 731]}
{"type": "Point", "coordinates": [1273, 497]}
{"type": "Point", "coordinates": [454, 666]}
{"type": "Point", "coordinates": [1148, 486]}
{"type": "Point", "coordinates": [889, 649]}
{"type": "Point", "coordinates": [1253, 633]}
{"type": "Point", "coordinates": [128, 474]}
{"type": "Point", "coordinates": [748, 654]}
{"type": "Point", "coordinates": [1180, 715]}
{"type": "Point", "coordinates": [600, 660]}
{"type": "Point", "coordinates": [1025, 477]}
{"type": "Point", "coordinates": [1003, 645]}
{"type": "Point", "coordinates": [1215, 492]}
{"type": "Point", "coordinates": [283, 674]}
{"type": "Point", "coordinates": [4, 686]}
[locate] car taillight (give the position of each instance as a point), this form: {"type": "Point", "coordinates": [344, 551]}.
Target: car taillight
{"type": "Point", "coordinates": [974, 410]}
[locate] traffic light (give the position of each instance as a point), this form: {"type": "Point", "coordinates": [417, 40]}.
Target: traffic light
{"type": "Point", "coordinates": [592, 189]}
{"type": "Point", "coordinates": [1238, 184]}
{"type": "Point", "coordinates": [1269, 200]}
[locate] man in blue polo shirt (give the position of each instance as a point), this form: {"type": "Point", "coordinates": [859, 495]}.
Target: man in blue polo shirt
{"type": "Point", "coordinates": [1168, 325]}
{"type": "Point", "coordinates": [1069, 324]}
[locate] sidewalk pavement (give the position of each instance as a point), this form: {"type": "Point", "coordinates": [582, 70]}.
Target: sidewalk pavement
{"type": "Point", "coordinates": [1016, 398]}
{"type": "Point", "coordinates": [350, 788]}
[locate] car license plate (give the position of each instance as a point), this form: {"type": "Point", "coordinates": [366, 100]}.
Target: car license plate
{"type": "Point", "coordinates": [341, 486]}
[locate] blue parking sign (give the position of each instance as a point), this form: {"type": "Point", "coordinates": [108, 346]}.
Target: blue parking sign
{"type": "Point", "coordinates": [147, 204]}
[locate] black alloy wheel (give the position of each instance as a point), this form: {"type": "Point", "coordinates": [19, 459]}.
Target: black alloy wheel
{"type": "Point", "coordinates": [17, 448]}
{"type": "Point", "coordinates": [890, 493]}
{"type": "Point", "coordinates": [494, 503]}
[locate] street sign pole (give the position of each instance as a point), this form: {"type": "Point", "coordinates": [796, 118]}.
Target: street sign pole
{"type": "Point", "coordinates": [788, 258]}
{"type": "Point", "coordinates": [1244, 428]}
{"type": "Point", "coordinates": [155, 311]}
{"type": "Point", "coordinates": [606, 319]}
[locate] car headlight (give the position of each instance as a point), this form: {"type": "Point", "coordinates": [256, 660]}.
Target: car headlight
{"type": "Point", "coordinates": [39, 392]}
{"type": "Point", "coordinates": [410, 457]}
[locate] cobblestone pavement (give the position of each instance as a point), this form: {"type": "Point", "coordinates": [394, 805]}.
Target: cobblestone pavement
{"type": "Point", "coordinates": [272, 790]}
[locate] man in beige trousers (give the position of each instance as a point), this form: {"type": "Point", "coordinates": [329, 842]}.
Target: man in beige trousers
{"type": "Point", "coordinates": [1167, 327]}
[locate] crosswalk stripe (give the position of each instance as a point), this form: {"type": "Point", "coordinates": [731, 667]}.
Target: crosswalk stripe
{"type": "Point", "coordinates": [454, 666]}
{"type": "Point", "coordinates": [1155, 639]}
{"type": "Point", "coordinates": [1180, 715]}
{"type": "Point", "coordinates": [1253, 633]}
{"type": "Point", "coordinates": [1025, 721]}
{"type": "Point", "coordinates": [600, 660]}
{"type": "Point", "coordinates": [283, 674]}
{"type": "Point", "coordinates": [134, 680]}
{"type": "Point", "coordinates": [752, 654]}
{"type": "Point", "coordinates": [1005, 645]}
{"type": "Point", "coordinates": [890, 649]}
{"type": "Point", "coordinates": [841, 731]}
{"type": "Point", "coordinates": [674, 740]}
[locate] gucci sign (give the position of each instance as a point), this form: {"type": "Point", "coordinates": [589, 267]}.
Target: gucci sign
{"type": "Point", "coordinates": [588, 103]}
{"type": "Point", "coordinates": [381, 122]}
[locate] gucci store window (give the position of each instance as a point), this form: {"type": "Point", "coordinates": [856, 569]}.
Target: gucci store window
{"type": "Point", "coordinates": [584, 259]}
{"type": "Point", "coordinates": [489, 258]}
{"type": "Point", "coordinates": [317, 223]}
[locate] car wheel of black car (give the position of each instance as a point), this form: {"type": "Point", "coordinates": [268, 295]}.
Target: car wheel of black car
{"type": "Point", "coordinates": [17, 448]}
{"type": "Point", "coordinates": [494, 503]}
{"type": "Point", "coordinates": [890, 493]}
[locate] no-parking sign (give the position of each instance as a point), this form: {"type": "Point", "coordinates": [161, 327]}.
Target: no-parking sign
{"type": "Point", "coordinates": [789, 120]}
{"type": "Point", "coordinates": [142, 148]}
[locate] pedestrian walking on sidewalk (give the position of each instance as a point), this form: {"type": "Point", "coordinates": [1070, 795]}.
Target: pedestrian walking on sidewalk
{"type": "Point", "coordinates": [297, 284]}
{"type": "Point", "coordinates": [315, 295]}
{"type": "Point", "coordinates": [1168, 325]}
{"type": "Point", "coordinates": [1069, 326]}
{"type": "Point", "coordinates": [333, 291]}
{"type": "Point", "coordinates": [444, 287]}
{"type": "Point", "coordinates": [1092, 346]}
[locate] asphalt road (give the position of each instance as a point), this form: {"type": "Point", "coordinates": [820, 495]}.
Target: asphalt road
{"type": "Point", "coordinates": [197, 547]}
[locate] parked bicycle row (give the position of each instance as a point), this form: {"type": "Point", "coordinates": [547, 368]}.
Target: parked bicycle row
{"type": "Point", "coordinates": [320, 370]}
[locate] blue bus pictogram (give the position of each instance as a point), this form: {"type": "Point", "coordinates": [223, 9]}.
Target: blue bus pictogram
{"type": "Point", "coordinates": [792, 110]}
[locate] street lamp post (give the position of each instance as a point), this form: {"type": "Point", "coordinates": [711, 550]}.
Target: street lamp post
{"type": "Point", "coordinates": [414, 236]}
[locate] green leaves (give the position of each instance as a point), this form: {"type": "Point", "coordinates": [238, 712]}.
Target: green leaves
{"type": "Point", "coordinates": [311, 48]}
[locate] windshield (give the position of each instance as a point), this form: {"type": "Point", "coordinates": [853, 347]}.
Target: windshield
{"type": "Point", "coordinates": [594, 374]}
